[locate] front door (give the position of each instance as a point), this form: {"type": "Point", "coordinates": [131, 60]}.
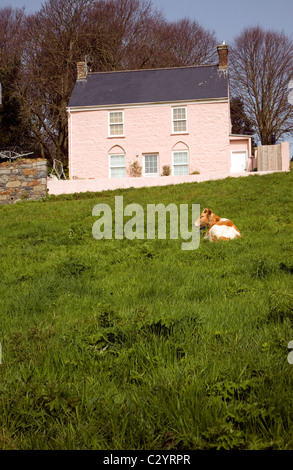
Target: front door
{"type": "Point", "coordinates": [238, 162]}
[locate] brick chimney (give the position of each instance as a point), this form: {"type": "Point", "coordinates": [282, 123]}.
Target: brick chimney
{"type": "Point", "coordinates": [223, 55]}
{"type": "Point", "coordinates": [81, 70]}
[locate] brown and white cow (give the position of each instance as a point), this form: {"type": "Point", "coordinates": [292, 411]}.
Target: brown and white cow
{"type": "Point", "coordinates": [218, 228]}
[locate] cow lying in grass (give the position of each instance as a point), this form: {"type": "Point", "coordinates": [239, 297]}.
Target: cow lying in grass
{"type": "Point", "coordinates": [218, 228]}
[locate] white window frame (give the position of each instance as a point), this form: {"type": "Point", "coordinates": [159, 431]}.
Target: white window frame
{"type": "Point", "coordinates": [144, 166]}
{"type": "Point", "coordinates": [111, 166]}
{"type": "Point", "coordinates": [180, 164]}
{"type": "Point", "coordinates": [112, 124]}
{"type": "Point", "coordinates": [179, 120]}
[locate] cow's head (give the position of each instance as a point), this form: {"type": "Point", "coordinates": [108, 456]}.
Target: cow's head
{"type": "Point", "coordinates": [204, 218]}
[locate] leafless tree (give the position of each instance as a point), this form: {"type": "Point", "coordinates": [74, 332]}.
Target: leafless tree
{"type": "Point", "coordinates": [187, 43]}
{"type": "Point", "coordinates": [53, 44]}
{"type": "Point", "coordinates": [261, 67]}
{"type": "Point", "coordinates": [11, 21]}
{"type": "Point", "coordinates": [131, 34]}
{"type": "Point", "coordinates": [121, 31]}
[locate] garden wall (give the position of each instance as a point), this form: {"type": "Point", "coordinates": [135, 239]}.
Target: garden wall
{"type": "Point", "coordinates": [23, 179]}
{"type": "Point", "coordinates": [56, 187]}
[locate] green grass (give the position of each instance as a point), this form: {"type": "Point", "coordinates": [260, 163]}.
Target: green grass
{"type": "Point", "coordinates": [136, 344]}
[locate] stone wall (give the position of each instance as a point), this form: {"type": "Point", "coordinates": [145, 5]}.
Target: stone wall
{"type": "Point", "coordinates": [23, 179]}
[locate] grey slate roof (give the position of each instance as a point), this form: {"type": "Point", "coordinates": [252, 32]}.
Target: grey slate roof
{"type": "Point", "coordinates": [150, 86]}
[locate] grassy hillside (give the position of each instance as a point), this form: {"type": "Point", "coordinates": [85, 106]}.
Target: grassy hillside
{"type": "Point", "coordinates": [136, 344]}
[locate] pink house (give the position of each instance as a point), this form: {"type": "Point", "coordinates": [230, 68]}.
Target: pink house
{"type": "Point", "coordinates": [170, 125]}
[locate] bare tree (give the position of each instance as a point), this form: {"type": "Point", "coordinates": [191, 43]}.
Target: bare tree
{"type": "Point", "coordinates": [121, 33]}
{"type": "Point", "coordinates": [53, 44]}
{"type": "Point", "coordinates": [11, 21]}
{"type": "Point", "coordinates": [131, 34]}
{"type": "Point", "coordinates": [186, 43]}
{"type": "Point", "coordinates": [239, 120]}
{"type": "Point", "coordinates": [177, 44]}
{"type": "Point", "coordinates": [261, 67]}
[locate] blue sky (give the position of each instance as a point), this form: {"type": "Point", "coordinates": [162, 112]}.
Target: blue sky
{"type": "Point", "coordinates": [227, 18]}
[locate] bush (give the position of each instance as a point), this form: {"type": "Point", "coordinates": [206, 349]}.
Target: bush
{"type": "Point", "coordinates": [166, 170]}
{"type": "Point", "coordinates": [135, 169]}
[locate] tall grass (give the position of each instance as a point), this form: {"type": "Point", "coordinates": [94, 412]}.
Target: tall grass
{"type": "Point", "coordinates": [136, 344]}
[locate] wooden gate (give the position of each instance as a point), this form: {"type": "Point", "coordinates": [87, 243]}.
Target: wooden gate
{"type": "Point", "coordinates": [269, 158]}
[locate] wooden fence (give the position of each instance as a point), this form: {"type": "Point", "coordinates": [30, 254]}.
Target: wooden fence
{"type": "Point", "coordinates": [269, 158]}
